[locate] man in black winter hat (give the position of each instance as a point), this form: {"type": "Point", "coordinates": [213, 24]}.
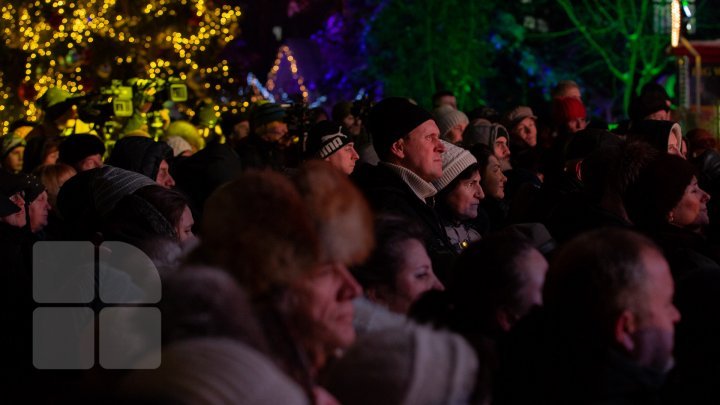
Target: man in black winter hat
{"type": "Point", "coordinates": [407, 141]}
{"type": "Point", "coordinates": [329, 141]}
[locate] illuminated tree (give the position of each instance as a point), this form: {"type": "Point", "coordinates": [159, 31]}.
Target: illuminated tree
{"type": "Point", "coordinates": [80, 45]}
{"type": "Point", "coordinates": [620, 35]}
{"type": "Point", "coordinates": [415, 48]}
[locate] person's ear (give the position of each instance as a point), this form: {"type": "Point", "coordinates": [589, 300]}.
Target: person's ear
{"type": "Point", "coordinates": [624, 328]}
{"type": "Point", "coordinates": [504, 320]}
{"type": "Point", "coordinates": [398, 148]}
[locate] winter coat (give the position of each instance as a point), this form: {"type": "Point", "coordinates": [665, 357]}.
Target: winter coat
{"type": "Point", "coordinates": [388, 193]}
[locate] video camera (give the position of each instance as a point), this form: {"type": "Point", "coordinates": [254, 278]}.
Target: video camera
{"type": "Point", "coordinates": [120, 100]}
{"type": "Point", "coordinates": [298, 119]}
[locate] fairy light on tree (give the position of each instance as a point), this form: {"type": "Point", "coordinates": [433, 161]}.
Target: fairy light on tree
{"type": "Point", "coordinates": [284, 53]}
{"type": "Point", "coordinates": [80, 45]}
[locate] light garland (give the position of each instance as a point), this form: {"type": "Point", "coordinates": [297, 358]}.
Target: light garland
{"type": "Point", "coordinates": [676, 20]}
{"type": "Point", "coordinates": [54, 36]}
{"type": "Point", "coordinates": [286, 53]}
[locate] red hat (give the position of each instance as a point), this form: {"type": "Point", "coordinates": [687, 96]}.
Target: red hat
{"type": "Point", "coordinates": [567, 109]}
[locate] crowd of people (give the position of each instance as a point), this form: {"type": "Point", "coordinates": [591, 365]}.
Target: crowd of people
{"type": "Point", "coordinates": [401, 256]}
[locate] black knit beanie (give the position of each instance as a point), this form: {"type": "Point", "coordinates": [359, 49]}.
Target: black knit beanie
{"type": "Point", "coordinates": [77, 147]}
{"type": "Point", "coordinates": [326, 138]}
{"type": "Point", "coordinates": [392, 119]}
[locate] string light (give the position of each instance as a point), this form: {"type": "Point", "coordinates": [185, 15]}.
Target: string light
{"type": "Point", "coordinates": [54, 36]}
{"type": "Point", "coordinates": [287, 54]}
{"type": "Point", "coordinates": [676, 20]}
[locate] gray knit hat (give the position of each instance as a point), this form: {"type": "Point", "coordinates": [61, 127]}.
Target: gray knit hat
{"type": "Point", "coordinates": [517, 114]}
{"type": "Point", "coordinates": [454, 160]}
{"type": "Point", "coordinates": [446, 117]}
{"type": "Point", "coordinates": [484, 132]}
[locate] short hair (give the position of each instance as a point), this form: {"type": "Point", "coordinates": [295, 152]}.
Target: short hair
{"type": "Point", "coordinates": [562, 86]}
{"type": "Point", "coordinates": [384, 263]}
{"type": "Point", "coordinates": [50, 176]}
{"type": "Point", "coordinates": [487, 278]}
{"type": "Point", "coordinates": [439, 94]}
{"type": "Point", "coordinates": [594, 278]}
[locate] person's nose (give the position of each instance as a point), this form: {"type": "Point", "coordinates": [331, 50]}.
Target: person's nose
{"type": "Point", "coordinates": [437, 284]}
{"type": "Point", "coordinates": [439, 147]}
{"type": "Point", "coordinates": [349, 287]}
{"type": "Point", "coordinates": [675, 316]}
{"type": "Point", "coordinates": [355, 155]}
{"type": "Point", "coordinates": [705, 196]}
{"type": "Point", "coordinates": [479, 192]}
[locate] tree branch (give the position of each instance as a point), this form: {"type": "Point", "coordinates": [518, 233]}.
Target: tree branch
{"type": "Point", "coordinates": [567, 7]}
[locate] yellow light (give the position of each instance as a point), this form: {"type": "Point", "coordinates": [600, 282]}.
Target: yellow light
{"type": "Point", "coordinates": [676, 20]}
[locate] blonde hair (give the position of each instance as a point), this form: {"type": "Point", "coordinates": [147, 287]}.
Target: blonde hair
{"type": "Point", "coordinates": [53, 176]}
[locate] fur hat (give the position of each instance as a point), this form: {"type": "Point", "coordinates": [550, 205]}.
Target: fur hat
{"type": "Point", "coordinates": [659, 188]}
{"type": "Point", "coordinates": [518, 114]}
{"type": "Point", "coordinates": [446, 117]}
{"type": "Point", "coordinates": [567, 109]}
{"type": "Point", "coordinates": [455, 160]}
{"type": "Point", "coordinates": [392, 119]}
{"type": "Point", "coordinates": [484, 132]}
{"type": "Point", "coordinates": [77, 147]}
{"type": "Point", "coordinates": [266, 113]}
{"type": "Point", "coordinates": [405, 365]}
{"type": "Point", "coordinates": [326, 138]}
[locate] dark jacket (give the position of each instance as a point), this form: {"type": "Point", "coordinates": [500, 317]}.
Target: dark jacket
{"type": "Point", "coordinates": [388, 193]}
{"type": "Point", "coordinates": [542, 362]}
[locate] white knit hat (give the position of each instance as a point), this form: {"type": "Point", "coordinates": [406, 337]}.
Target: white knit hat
{"type": "Point", "coordinates": [446, 117]}
{"type": "Point", "coordinates": [454, 160]}
{"type": "Point", "coordinates": [178, 145]}
{"type": "Point", "coordinates": [406, 366]}
{"type": "Point", "coordinates": [212, 371]}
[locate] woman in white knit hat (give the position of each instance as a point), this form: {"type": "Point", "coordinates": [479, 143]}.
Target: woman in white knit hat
{"type": "Point", "coordinates": [459, 195]}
